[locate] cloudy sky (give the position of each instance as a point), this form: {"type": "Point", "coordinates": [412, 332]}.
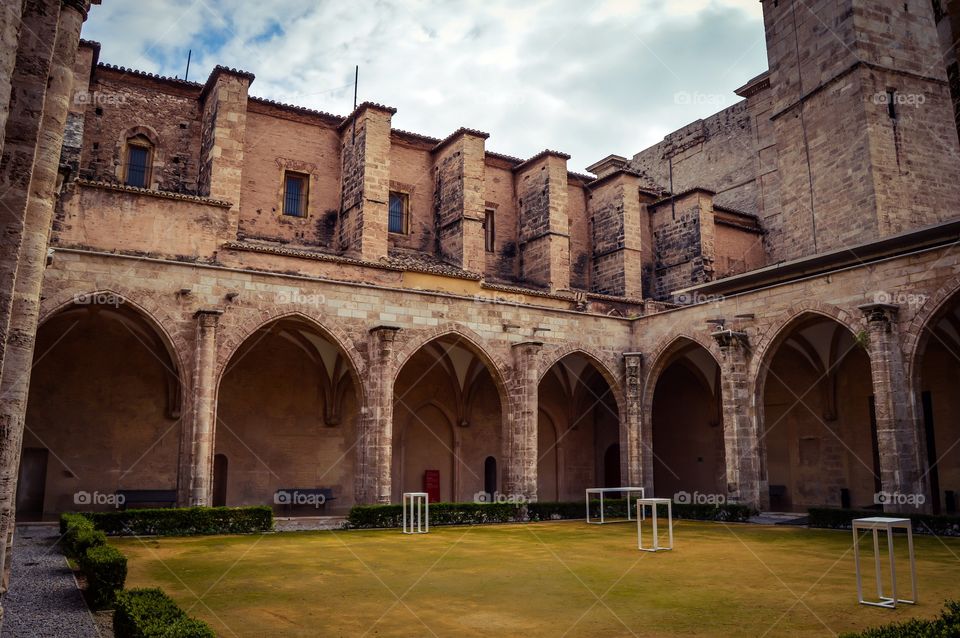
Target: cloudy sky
{"type": "Point", "coordinates": [586, 78]}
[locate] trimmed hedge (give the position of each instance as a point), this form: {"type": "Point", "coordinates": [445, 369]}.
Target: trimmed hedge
{"type": "Point", "coordinates": [832, 518]}
{"type": "Point", "coordinates": [187, 521]}
{"type": "Point", "coordinates": [374, 516]}
{"type": "Point", "coordinates": [106, 571]}
{"type": "Point", "coordinates": [946, 626]}
{"type": "Point", "coordinates": [150, 613]}
{"type": "Point", "coordinates": [79, 535]}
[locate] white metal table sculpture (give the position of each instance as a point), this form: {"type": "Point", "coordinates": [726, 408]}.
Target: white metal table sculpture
{"type": "Point", "coordinates": [875, 524]}
{"type": "Point", "coordinates": [653, 502]}
{"type": "Point", "coordinates": [416, 513]}
{"type": "Point", "coordinates": [601, 491]}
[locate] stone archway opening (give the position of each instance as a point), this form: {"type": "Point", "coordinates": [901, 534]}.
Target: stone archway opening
{"type": "Point", "coordinates": [687, 425]}
{"type": "Point", "coordinates": [819, 428]}
{"type": "Point", "coordinates": [578, 423]}
{"type": "Point", "coordinates": [938, 407]}
{"type": "Point", "coordinates": [288, 413]}
{"type": "Point", "coordinates": [104, 411]}
{"type": "Point", "coordinates": [447, 423]}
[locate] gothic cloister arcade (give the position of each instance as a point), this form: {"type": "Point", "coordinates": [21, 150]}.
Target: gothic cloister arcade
{"type": "Point", "coordinates": [937, 404]}
{"type": "Point", "coordinates": [448, 407]}
{"type": "Point", "coordinates": [817, 421]}
{"type": "Point", "coordinates": [577, 430]}
{"type": "Point", "coordinates": [104, 411]}
{"type": "Point", "coordinates": [687, 424]}
{"type": "Point", "coordinates": [287, 417]}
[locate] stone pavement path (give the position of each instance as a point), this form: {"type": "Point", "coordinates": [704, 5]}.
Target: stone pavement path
{"type": "Point", "coordinates": [43, 599]}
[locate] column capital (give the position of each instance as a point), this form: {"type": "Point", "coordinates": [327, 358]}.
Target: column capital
{"type": "Point", "coordinates": [385, 332]}
{"type": "Point", "coordinates": [879, 313]}
{"type": "Point", "coordinates": [208, 317]}
{"type": "Point", "coordinates": [633, 356]}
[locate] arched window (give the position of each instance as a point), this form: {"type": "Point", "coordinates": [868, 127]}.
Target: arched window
{"type": "Point", "coordinates": [490, 475]}
{"type": "Point", "coordinates": [138, 162]}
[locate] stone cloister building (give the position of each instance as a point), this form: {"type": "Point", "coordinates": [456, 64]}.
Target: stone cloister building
{"type": "Point", "coordinates": [206, 292]}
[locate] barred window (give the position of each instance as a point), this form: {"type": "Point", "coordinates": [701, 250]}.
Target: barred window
{"type": "Point", "coordinates": [295, 195]}
{"type": "Point", "coordinates": [137, 171]}
{"type": "Point", "coordinates": [489, 231]}
{"type": "Point", "coordinates": [397, 218]}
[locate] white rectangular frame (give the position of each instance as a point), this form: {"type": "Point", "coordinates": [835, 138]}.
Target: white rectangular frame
{"type": "Point", "coordinates": [652, 503]}
{"type": "Point", "coordinates": [875, 524]}
{"type": "Point", "coordinates": [601, 491]}
{"type": "Point", "coordinates": [418, 504]}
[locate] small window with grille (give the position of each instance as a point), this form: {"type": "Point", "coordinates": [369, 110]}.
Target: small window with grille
{"type": "Point", "coordinates": [397, 221]}
{"type": "Point", "coordinates": [137, 167]}
{"type": "Point", "coordinates": [295, 186]}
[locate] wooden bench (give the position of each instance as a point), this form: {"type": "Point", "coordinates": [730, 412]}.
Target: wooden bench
{"type": "Point", "coordinates": [140, 498]}
{"type": "Point", "coordinates": [315, 497]}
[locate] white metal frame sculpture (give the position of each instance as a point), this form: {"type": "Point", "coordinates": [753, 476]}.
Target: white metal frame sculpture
{"type": "Point", "coordinates": [653, 502]}
{"type": "Point", "coordinates": [601, 491]}
{"type": "Point", "coordinates": [416, 513]}
{"type": "Point", "coordinates": [875, 524]}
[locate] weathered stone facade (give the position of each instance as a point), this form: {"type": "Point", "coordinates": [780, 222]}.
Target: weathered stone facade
{"type": "Point", "coordinates": [775, 329]}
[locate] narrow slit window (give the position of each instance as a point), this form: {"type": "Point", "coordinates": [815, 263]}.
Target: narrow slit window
{"type": "Point", "coordinates": [295, 195]}
{"type": "Point", "coordinates": [138, 165]}
{"type": "Point", "coordinates": [489, 230]}
{"type": "Point", "coordinates": [397, 217]}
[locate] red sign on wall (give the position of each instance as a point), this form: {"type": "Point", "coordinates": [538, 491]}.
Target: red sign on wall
{"type": "Point", "coordinates": [431, 485]}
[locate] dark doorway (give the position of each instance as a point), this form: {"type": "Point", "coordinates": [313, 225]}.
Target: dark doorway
{"type": "Point", "coordinates": [490, 475]}
{"type": "Point", "coordinates": [931, 440]}
{"type": "Point", "coordinates": [32, 483]}
{"type": "Point", "coordinates": [219, 480]}
{"type": "Point", "coordinates": [611, 466]}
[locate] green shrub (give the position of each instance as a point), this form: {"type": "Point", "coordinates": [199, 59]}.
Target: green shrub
{"type": "Point", "coordinates": [71, 517]}
{"type": "Point", "coordinates": [106, 570]}
{"type": "Point", "coordinates": [832, 518]}
{"type": "Point", "coordinates": [945, 626]}
{"type": "Point", "coordinates": [150, 613]}
{"type": "Point", "coordinates": [186, 521]}
{"type": "Point", "coordinates": [79, 535]}
{"type": "Point", "coordinates": [372, 516]}
{"type": "Point", "coordinates": [188, 628]}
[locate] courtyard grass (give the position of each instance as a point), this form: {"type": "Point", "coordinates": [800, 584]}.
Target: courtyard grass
{"type": "Point", "coordinates": [542, 579]}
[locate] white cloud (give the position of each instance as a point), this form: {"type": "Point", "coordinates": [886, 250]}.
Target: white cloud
{"type": "Point", "coordinates": [587, 79]}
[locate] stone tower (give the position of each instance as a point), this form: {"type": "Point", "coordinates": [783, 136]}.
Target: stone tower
{"type": "Point", "coordinates": [863, 122]}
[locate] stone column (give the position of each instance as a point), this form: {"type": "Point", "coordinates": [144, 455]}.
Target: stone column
{"type": "Point", "coordinates": [31, 261]}
{"type": "Point", "coordinates": [631, 423]}
{"type": "Point", "coordinates": [375, 448]}
{"type": "Point", "coordinates": [898, 434]}
{"type": "Point", "coordinates": [740, 441]}
{"type": "Point", "coordinates": [204, 406]}
{"type": "Point", "coordinates": [520, 433]}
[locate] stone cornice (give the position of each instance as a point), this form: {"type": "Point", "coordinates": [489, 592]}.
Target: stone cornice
{"type": "Point", "coordinates": [121, 188]}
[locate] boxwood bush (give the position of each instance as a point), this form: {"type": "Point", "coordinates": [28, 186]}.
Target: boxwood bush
{"type": "Point", "coordinates": [150, 613]}
{"type": "Point", "coordinates": [79, 535]}
{"type": "Point", "coordinates": [106, 570]}
{"type": "Point", "coordinates": [371, 516]}
{"type": "Point", "coordinates": [187, 521]}
{"type": "Point", "coordinates": [832, 518]}
{"type": "Point", "coordinates": [947, 625]}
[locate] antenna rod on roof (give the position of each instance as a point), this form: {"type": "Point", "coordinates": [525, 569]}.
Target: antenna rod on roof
{"type": "Point", "coordinates": [356, 79]}
{"type": "Point", "coordinates": [186, 75]}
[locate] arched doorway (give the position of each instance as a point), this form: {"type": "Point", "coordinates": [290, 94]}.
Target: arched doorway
{"type": "Point", "coordinates": [687, 424]}
{"type": "Point", "coordinates": [819, 432]}
{"type": "Point", "coordinates": [578, 423]}
{"type": "Point", "coordinates": [287, 417]}
{"type": "Point", "coordinates": [937, 368]}
{"type": "Point", "coordinates": [104, 410]}
{"type": "Point", "coordinates": [447, 421]}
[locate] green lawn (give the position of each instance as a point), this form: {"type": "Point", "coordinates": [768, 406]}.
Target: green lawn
{"type": "Point", "coordinates": [543, 579]}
